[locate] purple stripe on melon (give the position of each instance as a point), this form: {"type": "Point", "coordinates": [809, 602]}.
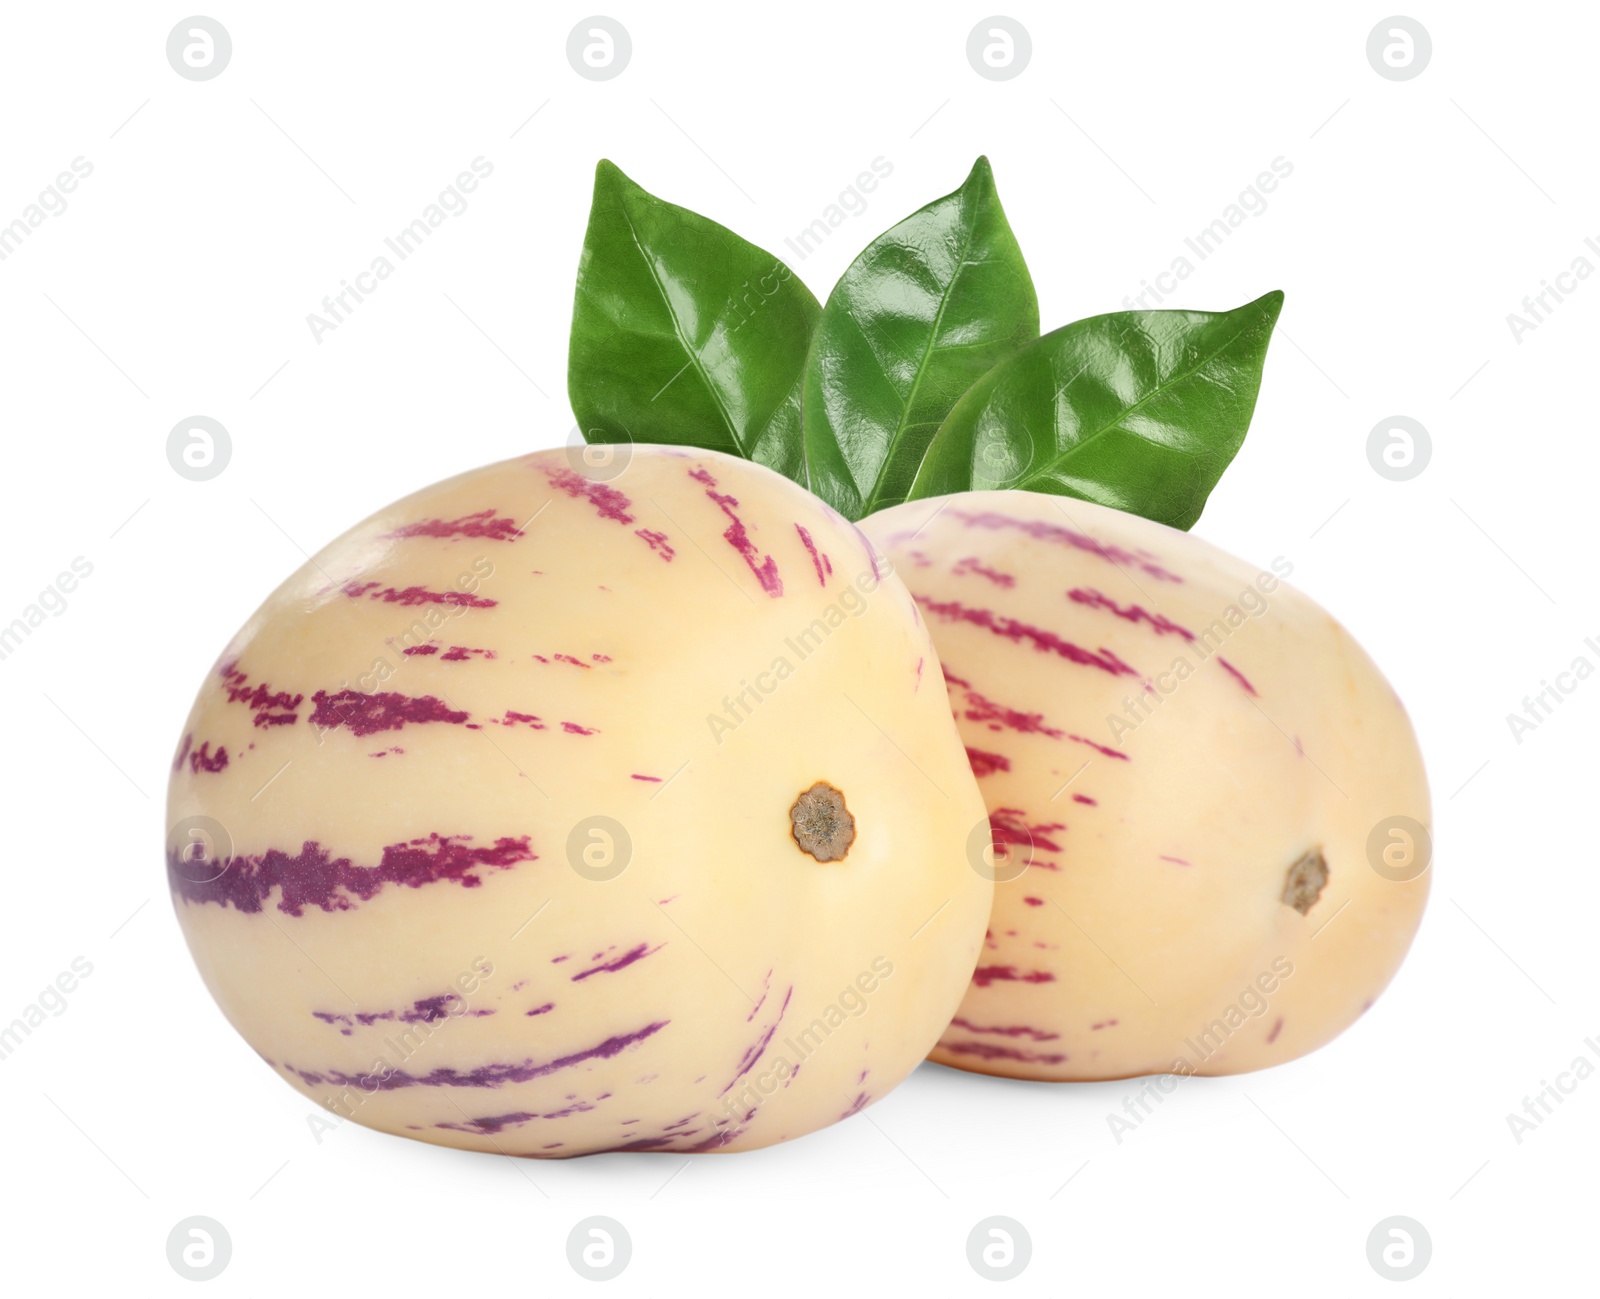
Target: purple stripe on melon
{"type": "Point", "coordinates": [984, 975]}
{"type": "Point", "coordinates": [721, 1137]}
{"type": "Point", "coordinates": [971, 564]}
{"type": "Point", "coordinates": [657, 541]}
{"type": "Point", "coordinates": [874, 560]}
{"type": "Point", "coordinates": [621, 963]}
{"type": "Point", "coordinates": [766, 985]}
{"type": "Point", "coordinates": [1042, 639]}
{"type": "Point", "coordinates": [1236, 674]}
{"type": "Point", "coordinates": [271, 707]}
{"type": "Point", "coordinates": [644, 1145]}
{"type": "Point", "coordinates": [314, 877]}
{"type": "Point", "coordinates": [496, 1123]}
{"type": "Point", "coordinates": [366, 714]}
{"type": "Point", "coordinates": [1006, 1030]}
{"type": "Point", "coordinates": [1162, 625]}
{"type": "Point", "coordinates": [490, 1125]}
{"type": "Point", "coordinates": [1140, 559]}
{"type": "Point", "coordinates": [484, 524]}
{"type": "Point", "coordinates": [1100, 748]}
{"type": "Point", "coordinates": [1000, 717]}
{"type": "Point", "coordinates": [817, 559]}
{"type": "Point", "coordinates": [487, 1075]}
{"type": "Point", "coordinates": [608, 502]}
{"type": "Point", "coordinates": [428, 1010]}
{"type": "Point", "coordinates": [204, 760]}
{"type": "Point", "coordinates": [1010, 825]}
{"type": "Point", "coordinates": [416, 595]}
{"type": "Point", "coordinates": [722, 1133]}
{"type": "Point", "coordinates": [986, 764]}
{"type": "Point", "coordinates": [201, 759]}
{"type": "Point", "coordinates": [995, 1051]}
{"type": "Point", "coordinates": [765, 567]}
{"type": "Point", "coordinates": [756, 1050]}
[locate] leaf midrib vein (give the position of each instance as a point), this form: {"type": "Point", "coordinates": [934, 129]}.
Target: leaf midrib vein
{"type": "Point", "coordinates": [971, 233]}
{"type": "Point", "coordinates": [1130, 411]}
{"type": "Point", "coordinates": [677, 329]}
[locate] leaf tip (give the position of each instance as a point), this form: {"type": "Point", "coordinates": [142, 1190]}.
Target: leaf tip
{"type": "Point", "coordinates": [607, 175]}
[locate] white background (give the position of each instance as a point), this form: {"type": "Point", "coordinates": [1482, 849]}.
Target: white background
{"type": "Point", "coordinates": [219, 214]}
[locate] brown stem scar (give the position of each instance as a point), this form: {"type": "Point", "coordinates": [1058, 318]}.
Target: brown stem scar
{"type": "Point", "coordinates": [1307, 878]}
{"type": "Point", "coordinates": [821, 823]}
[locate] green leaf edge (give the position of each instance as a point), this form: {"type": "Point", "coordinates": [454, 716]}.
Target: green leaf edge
{"type": "Point", "coordinates": [608, 174]}
{"type": "Point", "coordinates": [1272, 307]}
{"type": "Point", "coordinates": [979, 183]}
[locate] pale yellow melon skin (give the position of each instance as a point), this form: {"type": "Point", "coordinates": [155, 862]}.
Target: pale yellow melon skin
{"type": "Point", "coordinates": [870, 954]}
{"type": "Point", "coordinates": [1109, 956]}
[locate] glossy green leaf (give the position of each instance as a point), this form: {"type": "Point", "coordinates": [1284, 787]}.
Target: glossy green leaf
{"type": "Point", "coordinates": [1138, 410]}
{"type": "Point", "coordinates": [684, 333]}
{"type": "Point", "coordinates": [930, 306]}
